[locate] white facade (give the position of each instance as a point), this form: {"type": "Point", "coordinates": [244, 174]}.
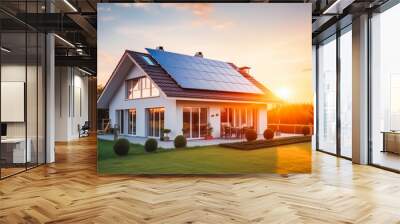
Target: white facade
{"type": "Point", "coordinates": [173, 109]}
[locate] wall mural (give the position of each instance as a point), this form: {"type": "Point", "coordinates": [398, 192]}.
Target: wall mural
{"type": "Point", "coordinates": [203, 88]}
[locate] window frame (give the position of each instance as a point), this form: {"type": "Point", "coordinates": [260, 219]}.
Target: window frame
{"type": "Point", "coordinates": [141, 84]}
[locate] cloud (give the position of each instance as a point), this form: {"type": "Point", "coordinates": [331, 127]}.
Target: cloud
{"type": "Point", "coordinates": [107, 18]}
{"type": "Point", "coordinates": [202, 10]}
{"type": "Point", "coordinates": [133, 5]}
{"type": "Point", "coordinates": [104, 9]}
{"type": "Point", "coordinates": [203, 13]}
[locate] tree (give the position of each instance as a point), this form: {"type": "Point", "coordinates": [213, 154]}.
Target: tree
{"type": "Point", "coordinates": [100, 89]}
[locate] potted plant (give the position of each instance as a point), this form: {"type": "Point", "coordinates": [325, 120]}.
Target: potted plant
{"type": "Point", "coordinates": [209, 132]}
{"type": "Point", "coordinates": [165, 134]}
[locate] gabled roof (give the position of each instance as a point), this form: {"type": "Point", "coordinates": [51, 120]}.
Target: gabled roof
{"type": "Point", "coordinates": [171, 88]}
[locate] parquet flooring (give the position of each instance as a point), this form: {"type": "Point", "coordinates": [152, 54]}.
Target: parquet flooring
{"type": "Point", "coordinates": [70, 191]}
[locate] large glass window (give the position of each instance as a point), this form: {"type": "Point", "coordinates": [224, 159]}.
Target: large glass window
{"type": "Point", "coordinates": [195, 121]}
{"type": "Point", "coordinates": [140, 88]}
{"type": "Point", "coordinates": [120, 120]}
{"type": "Point", "coordinates": [327, 95]}
{"type": "Point", "coordinates": [203, 122]}
{"type": "Point", "coordinates": [385, 89]}
{"type": "Point", "coordinates": [234, 120]}
{"type": "Point", "coordinates": [186, 122]}
{"type": "Point", "coordinates": [22, 78]}
{"type": "Point", "coordinates": [346, 93]}
{"type": "Point", "coordinates": [155, 121]}
{"type": "Point", "coordinates": [132, 122]}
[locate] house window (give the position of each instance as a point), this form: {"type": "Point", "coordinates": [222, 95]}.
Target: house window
{"type": "Point", "coordinates": [120, 121]}
{"type": "Point", "coordinates": [233, 120]}
{"type": "Point", "coordinates": [148, 60]}
{"type": "Point", "coordinates": [154, 90]}
{"type": "Point", "coordinates": [132, 121]}
{"type": "Point", "coordinates": [146, 87]}
{"type": "Point", "coordinates": [195, 120]}
{"type": "Point", "coordinates": [155, 121]}
{"type": "Point", "coordinates": [141, 88]}
{"type": "Point", "coordinates": [133, 89]}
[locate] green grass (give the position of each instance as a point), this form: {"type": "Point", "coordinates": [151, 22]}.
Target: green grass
{"type": "Point", "coordinates": [294, 158]}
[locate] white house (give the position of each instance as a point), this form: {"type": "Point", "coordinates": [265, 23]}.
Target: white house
{"type": "Point", "coordinates": [186, 94]}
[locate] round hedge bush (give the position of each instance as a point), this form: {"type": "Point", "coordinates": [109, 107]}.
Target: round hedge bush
{"type": "Point", "coordinates": [250, 135]}
{"type": "Point", "coordinates": [305, 131]}
{"type": "Point", "coordinates": [180, 141]}
{"type": "Point", "coordinates": [150, 145]}
{"type": "Point", "coordinates": [268, 134]}
{"type": "Point", "coordinates": [121, 147]}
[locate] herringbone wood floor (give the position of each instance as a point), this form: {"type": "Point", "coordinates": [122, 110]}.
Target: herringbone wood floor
{"type": "Point", "coordinates": [70, 191]}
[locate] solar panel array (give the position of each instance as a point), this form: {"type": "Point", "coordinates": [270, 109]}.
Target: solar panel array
{"type": "Point", "coordinates": [200, 73]}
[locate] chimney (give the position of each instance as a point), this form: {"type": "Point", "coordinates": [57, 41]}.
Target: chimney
{"type": "Point", "coordinates": [161, 48]}
{"type": "Point", "coordinates": [245, 69]}
{"type": "Point", "coordinates": [199, 54]}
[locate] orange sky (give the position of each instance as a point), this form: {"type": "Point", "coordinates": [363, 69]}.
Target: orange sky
{"type": "Point", "coordinates": [273, 39]}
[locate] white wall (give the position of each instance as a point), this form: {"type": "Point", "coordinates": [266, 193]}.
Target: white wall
{"type": "Point", "coordinates": [33, 126]}
{"type": "Point", "coordinates": [16, 73]}
{"type": "Point", "coordinates": [71, 87]}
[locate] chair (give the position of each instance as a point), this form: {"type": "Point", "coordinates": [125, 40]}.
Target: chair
{"type": "Point", "coordinates": [84, 130]}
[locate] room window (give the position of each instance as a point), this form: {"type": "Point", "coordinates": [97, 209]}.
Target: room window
{"type": "Point", "coordinates": [140, 88]}
{"type": "Point", "coordinates": [148, 60]}
{"type": "Point", "coordinates": [345, 93]}
{"type": "Point", "coordinates": [22, 103]}
{"type": "Point", "coordinates": [385, 89]}
{"type": "Point", "coordinates": [327, 95]}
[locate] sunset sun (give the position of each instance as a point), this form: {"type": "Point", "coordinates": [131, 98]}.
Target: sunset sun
{"type": "Point", "coordinates": [283, 93]}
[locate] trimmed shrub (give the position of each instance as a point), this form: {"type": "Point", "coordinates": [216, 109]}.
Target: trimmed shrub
{"type": "Point", "coordinates": [151, 145]}
{"type": "Point", "coordinates": [268, 134]}
{"type": "Point", "coordinates": [250, 135]}
{"type": "Point", "coordinates": [121, 147]}
{"type": "Point", "coordinates": [305, 131]}
{"type": "Point", "coordinates": [180, 141]}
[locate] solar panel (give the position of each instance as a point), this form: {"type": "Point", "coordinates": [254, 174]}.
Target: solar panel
{"type": "Point", "coordinates": [200, 73]}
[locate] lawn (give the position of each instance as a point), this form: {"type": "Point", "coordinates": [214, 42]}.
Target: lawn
{"type": "Point", "coordinates": [294, 158]}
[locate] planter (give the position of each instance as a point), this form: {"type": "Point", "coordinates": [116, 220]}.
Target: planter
{"type": "Point", "coordinates": [209, 137]}
{"type": "Point", "coordinates": [166, 138]}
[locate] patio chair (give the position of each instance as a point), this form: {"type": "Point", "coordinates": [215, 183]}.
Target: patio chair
{"type": "Point", "coordinates": [225, 131]}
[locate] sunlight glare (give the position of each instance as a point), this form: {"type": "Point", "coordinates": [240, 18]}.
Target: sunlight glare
{"type": "Point", "coordinates": [284, 93]}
